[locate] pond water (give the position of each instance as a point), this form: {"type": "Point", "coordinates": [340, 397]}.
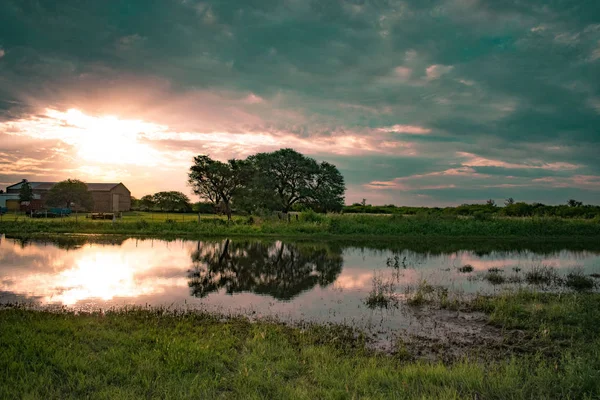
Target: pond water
{"type": "Point", "coordinates": [318, 282]}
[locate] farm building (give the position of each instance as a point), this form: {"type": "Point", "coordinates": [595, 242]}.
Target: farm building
{"type": "Point", "coordinates": [108, 197]}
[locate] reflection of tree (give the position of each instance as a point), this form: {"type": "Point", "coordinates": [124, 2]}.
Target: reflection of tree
{"type": "Point", "coordinates": [278, 269]}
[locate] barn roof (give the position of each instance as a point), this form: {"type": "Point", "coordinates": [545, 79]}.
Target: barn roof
{"type": "Point", "coordinates": [92, 187]}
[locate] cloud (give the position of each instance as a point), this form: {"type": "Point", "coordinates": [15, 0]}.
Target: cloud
{"type": "Point", "coordinates": [436, 71]}
{"type": "Point", "coordinates": [503, 88]}
{"type": "Point", "coordinates": [476, 161]}
{"type": "Point", "coordinates": [403, 73]}
{"type": "Point", "coordinates": [409, 129]}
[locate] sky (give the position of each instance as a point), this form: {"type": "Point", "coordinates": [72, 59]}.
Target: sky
{"type": "Point", "coordinates": [417, 102]}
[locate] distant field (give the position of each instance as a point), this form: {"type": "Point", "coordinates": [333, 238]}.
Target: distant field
{"type": "Point", "coordinates": [310, 225]}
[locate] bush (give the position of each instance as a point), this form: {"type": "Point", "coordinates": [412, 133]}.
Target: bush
{"type": "Point", "coordinates": [311, 216]}
{"type": "Point", "coordinates": [579, 281]}
{"type": "Point", "coordinates": [465, 269]}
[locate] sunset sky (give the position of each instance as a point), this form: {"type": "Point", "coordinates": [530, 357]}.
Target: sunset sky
{"type": "Point", "coordinates": [417, 102]}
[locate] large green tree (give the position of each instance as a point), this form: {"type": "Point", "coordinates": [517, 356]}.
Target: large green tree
{"type": "Point", "coordinates": [218, 182]}
{"type": "Point", "coordinates": [285, 177]}
{"type": "Point", "coordinates": [71, 192]}
{"type": "Point", "coordinates": [172, 201]}
{"type": "Point", "coordinates": [25, 193]}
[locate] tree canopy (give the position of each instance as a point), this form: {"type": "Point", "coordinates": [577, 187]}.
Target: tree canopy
{"type": "Point", "coordinates": [217, 181]}
{"type": "Point", "coordinates": [274, 181]}
{"type": "Point", "coordinates": [147, 202]}
{"type": "Point", "coordinates": [71, 192]}
{"type": "Point", "coordinates": [171, 201]}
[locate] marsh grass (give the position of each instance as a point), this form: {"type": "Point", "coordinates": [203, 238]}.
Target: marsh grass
{"type": "Point", "coordinates": [543, 275]}
{"type": "Point", "coordinates": [494, 276]}
{"type": "Point", "coordinates": [577, 280]}
{"type": "Point", "coordinates": [427, 294]}
{"type": "Point", "coordinates": [382, 294]}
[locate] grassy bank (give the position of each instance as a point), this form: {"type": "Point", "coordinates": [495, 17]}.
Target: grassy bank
{"type": "Point", "coordinates": [311, 224]}
{"type": "Point", "coordinates": [148, 353]}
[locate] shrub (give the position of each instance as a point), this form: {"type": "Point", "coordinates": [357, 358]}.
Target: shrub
{"type": "Point", "coordinates": [579, 281]}
{"type": "Point", "coordinates": [542, 275]}
{"type": "Point", "coordinates": [465, 269]}
{"type": "Point", "coordinates": [311, 216]}
{"type": "Point", "coordinates": [495, 278]}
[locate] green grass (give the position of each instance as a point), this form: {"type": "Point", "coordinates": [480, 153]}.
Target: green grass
{"type": "Point", "coordinates": [311, 224]}
{"type": "Point", "coordinates": [153, 354]}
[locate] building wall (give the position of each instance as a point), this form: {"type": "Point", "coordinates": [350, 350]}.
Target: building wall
{"type": "Point", "coordinates": [124, 197]}
{"type": "Point", "coordinates": [103, 200]}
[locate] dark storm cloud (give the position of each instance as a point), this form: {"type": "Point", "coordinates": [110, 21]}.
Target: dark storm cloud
{"type": "Point", "coordinates": [513, 84]}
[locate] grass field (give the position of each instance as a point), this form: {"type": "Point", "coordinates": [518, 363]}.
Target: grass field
{"type": "Point", "coordinates": [153, 354]}
{"type": "Point", "coordinates": [310, 224]}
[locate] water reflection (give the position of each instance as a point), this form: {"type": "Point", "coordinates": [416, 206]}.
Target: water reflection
{"type": "Point", "coordinates": [326, 281]}
{"type": "Point", "coordinates": [281, 270]}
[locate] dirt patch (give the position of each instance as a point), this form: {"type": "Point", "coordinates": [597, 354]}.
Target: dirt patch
{"type": "Point", "coordinates": [448, 336]}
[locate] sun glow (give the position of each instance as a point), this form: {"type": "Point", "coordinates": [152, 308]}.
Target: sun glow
{"type": "Point", "coordinates": [106, 139]}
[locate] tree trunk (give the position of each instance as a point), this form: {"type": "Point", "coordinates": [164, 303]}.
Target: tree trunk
{"type": "Point", "coordinates": [227, 210]}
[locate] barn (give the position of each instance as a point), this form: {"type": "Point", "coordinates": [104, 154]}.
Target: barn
{"type": "Point", "coordinates": [108, 197]}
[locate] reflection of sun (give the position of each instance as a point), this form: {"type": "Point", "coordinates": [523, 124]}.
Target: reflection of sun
{"type": "Point", "coordinates": [100, 276]}
{"type": "Point", "coordinates": [106, 139]}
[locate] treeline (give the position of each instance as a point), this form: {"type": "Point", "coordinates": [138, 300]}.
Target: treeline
{"type": "Point", "coordinates": [573, 209]}
{"type": "Point", "coordinates": [282, 180]}
{"type": "Point", "coordinates": [163, 201]}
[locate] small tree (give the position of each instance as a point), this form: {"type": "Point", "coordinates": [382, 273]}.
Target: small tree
{"type": "Point", "coordinates": [490, 203]}
{"type": "Point", "coordinates": [509, 202]}
{"type": "Point", "coordinates": [26, 193]}
{"type": "Point", "coordinates": [218, 182]}
{"type": "Point", "coordinates": [574, 203]}
{"type": "Point", "coordinates": [68, 193]}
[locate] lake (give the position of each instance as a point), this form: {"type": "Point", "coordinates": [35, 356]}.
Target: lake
{"type": "Point", "coordinates": [316, 282]}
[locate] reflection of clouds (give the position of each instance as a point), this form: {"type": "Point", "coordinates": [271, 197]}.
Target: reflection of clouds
{"type": "Point", "coordinates": [354, 279]}
{"type": "Point", "coordinates": [362, 280]}
{"type": "Point", "coordinates": [562, 260]}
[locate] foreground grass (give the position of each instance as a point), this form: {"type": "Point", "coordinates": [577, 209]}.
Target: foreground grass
{"type": "Point", "coordinates": [313, 225]}
{"type": "Point", "coordinates": [148, 353]}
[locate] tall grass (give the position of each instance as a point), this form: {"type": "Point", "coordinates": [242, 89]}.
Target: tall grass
{"type": "Point", "coordinates": [153, 354]}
